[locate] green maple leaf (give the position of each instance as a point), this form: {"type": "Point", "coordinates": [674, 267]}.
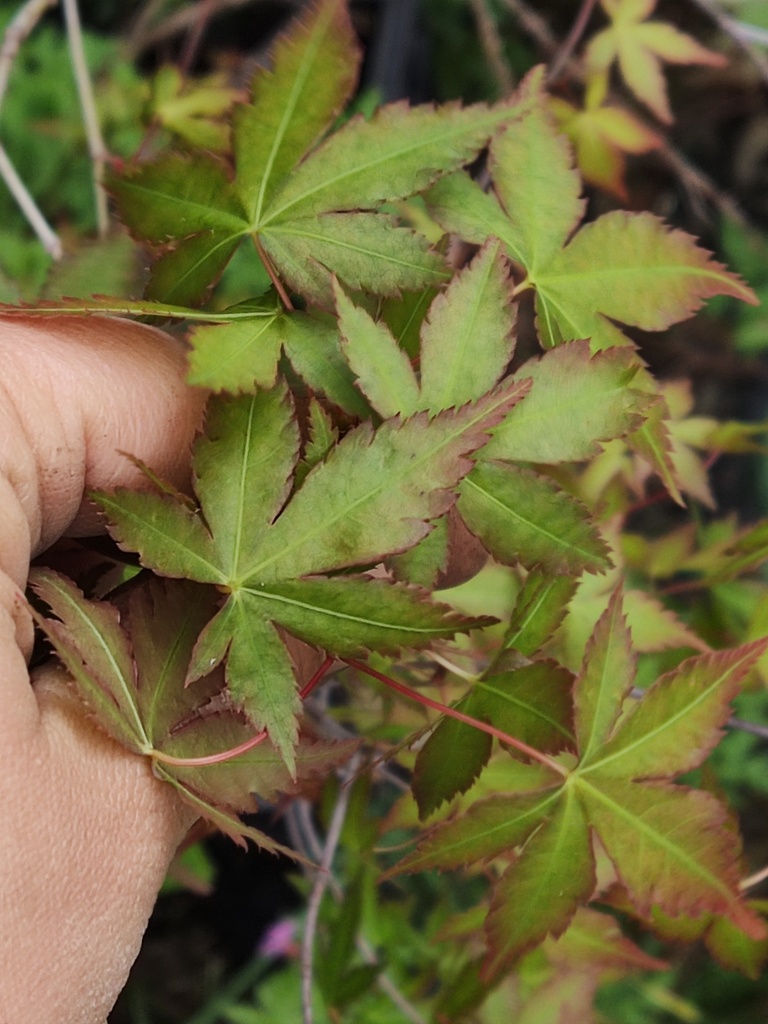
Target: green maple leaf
{"type": "Point", "coordinates": [622, 267]}
{"type": "Point", "coordinates": [129, 666]}
{"type": "Point", "coordinates": [668, 843]}
{"type": "Point", "coordinates": [467, 342]}
{"type": "Point", "coordinates": [639, 46]}
{"type": "Point", "coordinates": [373, 494]}
{"type": "Point", "coordinates": [310, 202]}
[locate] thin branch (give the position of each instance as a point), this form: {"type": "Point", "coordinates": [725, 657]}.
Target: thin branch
{"type": "Point", "coordinates": [414, 695]}
{"type": "Point", "coordinates": [48, 237]}
{"type": "Point", "coordinates": [321, 884]}
{"type": "Point", "coordinates": [305, 838]}
{"type": "Point", "coordinates": [491, 43]}
{"type": "Point", "coordinates": [96, 146]}
{"type": "Point", "coordinates": [20, 27]}
{"type": "Point", "coordinates": [563, 56]}
{"type": "Point", "coordinates": [752, 880]}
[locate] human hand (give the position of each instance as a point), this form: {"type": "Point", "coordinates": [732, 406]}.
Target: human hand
{"type": "Point", "coordinates": [87, 831]}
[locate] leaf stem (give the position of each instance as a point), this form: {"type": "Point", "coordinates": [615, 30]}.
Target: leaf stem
{"type": "Point", "coordinates": [279, 287]}
{"type": "Point", "coordinates": [242, 748]}
{"type": "Point", "coordinates": [511, 741]}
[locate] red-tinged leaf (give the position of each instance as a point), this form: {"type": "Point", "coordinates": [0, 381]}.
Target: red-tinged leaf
{"type": "Point", "coordinates": [402, 475]}
{"type": "Point", "coordinates": [352, 616]}
{"type": "Point", "coordinates": [521, 516]}
{"type": "Point", "coordinates": [652, 441]}
{"type": "Point", "coordinates": [226, 820]}
{"type": "Point", "coordinates": [467, 340]}
{"type": "Point", "coordinates": [576, 401]}
{"type": "Point", "coordinates": [260, 676]}
{"type": "Point", "coordinates": [669, 847]}
{"type": "Point", "coordinates": [313, 72]}
{"type": "Point", "coordinates": [178, 196]}
{"type": "Point", "coordinates": [439, 774]}
{"type": "Point", "coordinates": [94, 649]}
{"type": "Point", "coordinates": [594, 941]}
{"type": "Point", "coordinates": [236, 357]}
{"type": "Point", "coordinates": [313, 347]}
{"type": "Point", "coordinates": [400, 151]}
{"type": "Point", "coordinates": [382, 368]}
{"type": "Point", "coordinates": [631, 268]}
{"type": "Point", "coordinates": [367, 251]}
{"type": "Point", "coordinates": [679, 719]}
{"type": "Point", "coordinates": [531, 703]}
{"type": "Point", "coordinates": [540, 609]}
{"type": "Point", "coordinates": [489, 828]}
{"type": "Point", "coordinates": [242, 469]}
{"type": "Point", "coordinates": [605, 680]}
{"type": "Point", "coordinates": [541, 890]}
{"type": "Point", "coordinates": [185, 274]}
{"type": "Point", "coordinates": [531, 167]}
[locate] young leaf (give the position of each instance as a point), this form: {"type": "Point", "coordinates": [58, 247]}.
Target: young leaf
{"type": "Point", "coordinates": [640, 46]}
{"type": "Point", "coordinates": [382, 368]}
{"type": "Point", "coordinates": [520, 516]}
{"type": "Point", "coordinates": [626, 267]}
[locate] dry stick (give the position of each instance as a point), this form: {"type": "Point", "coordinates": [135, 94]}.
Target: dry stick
{"type": "Point", "coordinates": [48, 237]}
{"type": "Point", "coordinates": [20, 27]}
{"type": "Point", "coordinates": [563, 56]}
{"type": "Point", "coordinates": [491, 43]}
{"type": "Point", "coordinates": [321, 884]}
{"type": "Point", "coordinates": [309, 844]}
{"type": "Point", "coordinates": [96, 146]}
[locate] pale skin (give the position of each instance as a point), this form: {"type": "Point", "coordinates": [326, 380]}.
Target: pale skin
{"type": "Point", "coordinates": [87, 831]}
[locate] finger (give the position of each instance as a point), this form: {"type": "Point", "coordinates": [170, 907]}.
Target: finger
{"type": "Point", "coordinates": [73, 915]}
{"type": "Point", "coordinates": [75, 392]}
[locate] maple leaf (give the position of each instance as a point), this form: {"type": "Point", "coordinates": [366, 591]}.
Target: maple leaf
{"type": "Point", "coordinates": [193, 110]}
{"type": "Point", "coordinates": [639, 46]}
{"type": "Point", "coordinates": [129, 665]}
{"type": "Point", "coordinates": [602, 133]}
{"type": "Point", "coordinates": [311, 209]}
{"type": "Point", "coordinates": [667, 842]}
{"type": "Point", "coordinates": [373, 494]}
{"type": "Point", "coordinates": [623, 267]}
{"type": "Point", "coordinates": [467, 341]}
